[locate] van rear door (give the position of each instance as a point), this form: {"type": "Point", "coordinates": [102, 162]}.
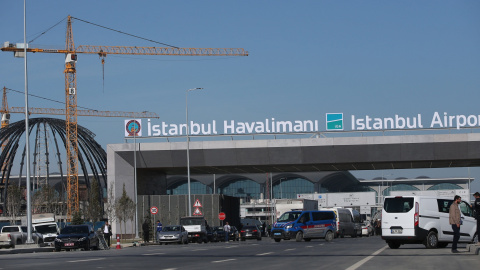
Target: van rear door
{"type": "Point", "coordinates": [398, 216]}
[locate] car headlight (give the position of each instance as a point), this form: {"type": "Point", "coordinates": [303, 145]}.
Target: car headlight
{"type": "Point", "coordinates": [82, 239]}
{"type": "Point", "coordinates": [288, 227]}
{"type": "Point", "coordinates": [177, 235]}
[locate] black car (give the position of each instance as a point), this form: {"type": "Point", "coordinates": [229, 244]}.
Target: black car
{"type": "Point", "coordinates": [212, 235]}
{"type": "Point", "coordinates": [220, 233]}
{"type": "Point", "coordinates": [77, 236]}
{"type": "Point", "coordinates": [234, 234]}
{"type": "Point", "coordinates": [250, 232]}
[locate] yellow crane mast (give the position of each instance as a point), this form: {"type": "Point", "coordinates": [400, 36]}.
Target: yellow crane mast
{"type": "Point", "coordinates": [71, 112]}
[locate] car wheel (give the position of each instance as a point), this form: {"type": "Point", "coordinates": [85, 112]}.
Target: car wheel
{"type": "Point", "coordinates": [277, 240]}
{"type": "Point", "coordinates": [432, 240]}
{"type": "Point", "coordinates": [354, 235]}
{"type": "Point", "coordinates": [259, 238]}
{"type": "Point", "coordinates": [329, 236]}
{"type": "Point", "coordinates": [342, 234]}
{"type": "Point", "coordinates": [393, 245]}
{"type": "Point", "coordinates": [199, 240]}
{"type": "Point", "coordinates": [299, 237]}
{"type": "Point", "coordinates": [57, 249]}
{"type": "Point", "coordinates": [87, 247]}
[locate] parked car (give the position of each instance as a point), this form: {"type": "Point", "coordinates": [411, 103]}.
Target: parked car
{"type": "Point", "coordinates": [77, 236]}
{"type": "Point", "coordinates": [17, 235]}
{"type": "Point", "coordinates": [220, 233]}
{"type": "Point", "coordinates": [367, 229]}
{"type": "Point", "coordinates": [173, 234]}
{"type": "Point", "coordinates": [212, 235]}
{"type": "Point", "coordinates": [234, 234]}
{"type": "Point", "coordinates": [250, 232]}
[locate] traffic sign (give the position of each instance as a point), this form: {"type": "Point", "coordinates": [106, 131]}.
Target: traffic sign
{"type": "Point", "coordinates": [221, 216]}
{"type": "Point", "coordinates": [197, 212]}
{"type": "Point", "coordinates": [197, 204]}
{"type": "Point", "coordinates": [153, 210]}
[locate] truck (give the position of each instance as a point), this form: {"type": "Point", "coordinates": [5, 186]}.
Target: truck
{"type": "Point", "coordinates": [10, 236]}
{"type": "Point", "coordinates": [285, 205]}
{"type": "Point", "coordinates": [196, 227]}
{"type": "Point", "coordinates": [45, 225]}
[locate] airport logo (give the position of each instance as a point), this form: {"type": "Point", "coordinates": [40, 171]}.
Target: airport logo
{"type": "Point", "coordinates": [334, 121]}
{"type": "Point", "coordinates": [133, 128]}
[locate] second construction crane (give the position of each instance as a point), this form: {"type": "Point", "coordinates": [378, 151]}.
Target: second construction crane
{"type": "Point", "coordinates": [71, 111]}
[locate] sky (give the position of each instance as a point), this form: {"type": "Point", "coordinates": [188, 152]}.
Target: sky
{"type": "Point", "coordinates": [306, 59]}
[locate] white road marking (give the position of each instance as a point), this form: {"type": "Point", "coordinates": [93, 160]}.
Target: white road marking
{"type": "Point", "coordinates": [149, 254]}
{"type": "Point", "coordinates": [199, 249]}
{"type": "Point", "coordinates": [309, 246]}
{"type": "Point", "coordinates": [360, 263]}
{"type": "Point", "coordinates": [263, 254]}
{"type": "Point", "coordinates": [289, 249]}
{"type": "Point", "coordinates": [227, 260]}
{"type": "Point", "coordinates": [87, 260]}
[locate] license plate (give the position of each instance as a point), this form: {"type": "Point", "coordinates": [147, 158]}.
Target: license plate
{"type": "Point", "coordinates": [69, 244]}
{"type": "Point", "coordinates": [397, 231]}
{"type": "Point", "coordinates": [248, 234]}
{"type": "Point", "coordinates": [277, 233]}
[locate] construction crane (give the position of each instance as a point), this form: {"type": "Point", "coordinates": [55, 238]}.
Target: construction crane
{"type": "Point", "coordinates": [5, 110]}
{"type": "Point", "coordinates": [71, 111]}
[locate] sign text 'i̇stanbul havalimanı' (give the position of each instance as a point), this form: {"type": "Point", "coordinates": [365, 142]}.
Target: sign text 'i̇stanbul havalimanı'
{"type": "Point", "coordinates": [333, 122]}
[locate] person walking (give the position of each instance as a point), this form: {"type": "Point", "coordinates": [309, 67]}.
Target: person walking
{"type": "Point", "coordinates": [455, 220]}
{"type": "Point", "coordinates": [159, 229]}
{"type": "Point", "coordinates": [226, 228]}
{"type": "Point", "coordinates": [107, 233]}
{"type": "Point", "coordinates": [476, 208]}
{"type": "Point", "coordinates": [146, 231]}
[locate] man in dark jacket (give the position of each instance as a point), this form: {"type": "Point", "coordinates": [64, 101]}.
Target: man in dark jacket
{"type": "Point", "coordinates": [146, 231]}
{"type": "Point", "coordinates": [476, 208]}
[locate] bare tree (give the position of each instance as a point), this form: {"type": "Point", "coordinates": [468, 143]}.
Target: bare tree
{"type": "Point", "coordinates": [110, 206]}
{"type": "Point", "coordinates": [43, 200]}
{"type": "Point", "coordinates": [123, 210]}
{"type": "Point", "coordinates": [14, 202]}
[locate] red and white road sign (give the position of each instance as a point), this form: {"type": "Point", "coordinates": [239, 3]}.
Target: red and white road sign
{"type": "Point", "coordinates": [197, 212]}
{"type": "Point", "coordinates": [221, 216]}
{"type": "Point", "coordinates": [197, 204]}
{"type": "Point", "coordinates": [153, 210]}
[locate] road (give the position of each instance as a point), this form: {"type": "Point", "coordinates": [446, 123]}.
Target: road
{"type": "Point", "coordinates": [347, 253]}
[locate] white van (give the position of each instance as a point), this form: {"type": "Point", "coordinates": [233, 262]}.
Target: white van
{"type": "Point", "coordinates": [423, 220]}
{"type": "Point", "coordinates": [345, 222]}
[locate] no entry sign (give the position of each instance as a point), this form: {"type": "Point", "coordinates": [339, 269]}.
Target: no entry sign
{"type": "Point", "coordinates": [153, 210]}
{"type": "Point", "coordinates": [221, 216]}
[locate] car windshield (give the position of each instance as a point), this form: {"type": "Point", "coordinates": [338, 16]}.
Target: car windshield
{"type": "Point", "coordinates": [74, 230]}
{"type": "Point", "coordinates": [219, 229]}
{"type": "Point", "coordinates": [44, 229]}
{"type": "Point", "coordinates": [250, 228]}
{"type": "Point", "coordinates": [171, 229]}
{"type": "Point", "coordinates": [289, 216]}
{"type": "Point", "coordinates": [191, 221]}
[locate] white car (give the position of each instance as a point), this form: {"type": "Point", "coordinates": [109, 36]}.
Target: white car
{"type": "Point", "coordinates": [367, 229]}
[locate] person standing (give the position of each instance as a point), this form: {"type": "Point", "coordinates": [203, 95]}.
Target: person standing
{"type": "Point", "coordinates": [476, 208]}
{"type": "Point", "coordinates": [455, 220]}
{"type": "Point", "coordinates": [146, 231]}
{"type": "Point", "coordinates": [107, 232]}
{"type": "Point", "coordinates": [159, 229]}
{"type": "Point", "coordinates": [226, 228]}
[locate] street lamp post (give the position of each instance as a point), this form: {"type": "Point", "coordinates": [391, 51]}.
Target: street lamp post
{"type": "Point", "coordinates": [188, 151]}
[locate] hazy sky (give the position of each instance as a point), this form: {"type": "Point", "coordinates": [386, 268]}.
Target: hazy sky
{"type": "Point", "coordinates": [307, 58]}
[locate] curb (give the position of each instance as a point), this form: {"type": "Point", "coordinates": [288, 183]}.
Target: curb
{"type": "Point", "coordinates": [473, 248]}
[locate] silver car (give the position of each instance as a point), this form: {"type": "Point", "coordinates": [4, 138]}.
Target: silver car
{"type": "Point", "coordinates": [173, 234]}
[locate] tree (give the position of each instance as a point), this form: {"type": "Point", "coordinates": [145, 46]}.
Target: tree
{"type": "Point", "coordinates": [110, 205]}
{"type": "Point", "coordinates": [94, 210]}
{"type": "Point", "coordinates": [14, 202]}
{"type": "Point", "coordinates": [77, 218]}
{"type": "Point", "coordinates": [44, 199]}
{"type": "Point", "coordinates": [123, 209]}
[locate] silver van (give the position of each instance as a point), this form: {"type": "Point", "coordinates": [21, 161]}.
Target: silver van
{"type": "Point", "coordinates": [345, 222]}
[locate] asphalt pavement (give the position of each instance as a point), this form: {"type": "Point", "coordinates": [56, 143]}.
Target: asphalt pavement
{"type": "Point", "coordinates": [347, 253]}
